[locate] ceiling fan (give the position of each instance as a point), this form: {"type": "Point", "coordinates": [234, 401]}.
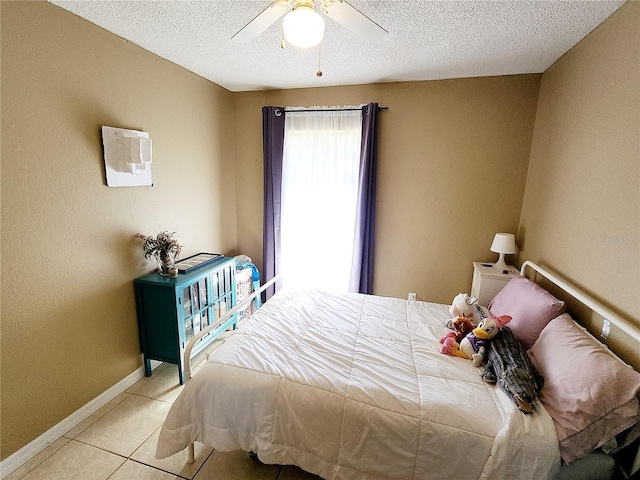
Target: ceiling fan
{"type": "Point", "coordinates": [304, 27]}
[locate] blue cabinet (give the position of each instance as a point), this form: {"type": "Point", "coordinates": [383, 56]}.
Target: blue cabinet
{"type": "Point", "coordinates": [172, 310]}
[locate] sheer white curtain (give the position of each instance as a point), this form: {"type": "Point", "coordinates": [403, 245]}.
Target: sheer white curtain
{"type": "Point", "coordinates": [319, 197]}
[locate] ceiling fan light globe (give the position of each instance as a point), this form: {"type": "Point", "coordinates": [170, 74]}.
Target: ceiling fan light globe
{"type": "Point", "coordinates": [303, 27]}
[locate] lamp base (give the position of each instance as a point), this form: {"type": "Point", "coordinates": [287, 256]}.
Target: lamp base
{"type": "Point", "coordinates": [501, 264]}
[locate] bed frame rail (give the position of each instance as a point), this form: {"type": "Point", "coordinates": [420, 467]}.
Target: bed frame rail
{"type": "Point", "coordinates": [239, 306]}
{"type": "Point", "coordinates": [630, 329]}
{"type": "Point", "coordinates": [191, 457]}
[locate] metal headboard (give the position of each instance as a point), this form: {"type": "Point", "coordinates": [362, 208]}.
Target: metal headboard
{"type": "Point", "coordinates": [630, 329]}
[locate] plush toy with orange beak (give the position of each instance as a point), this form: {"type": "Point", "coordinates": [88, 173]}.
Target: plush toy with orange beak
{"type": "Point", "coordinates": [474, 345]}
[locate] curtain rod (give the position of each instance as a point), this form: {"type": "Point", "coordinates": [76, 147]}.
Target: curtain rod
{"type": "Point", "coordinates": [328, 109]}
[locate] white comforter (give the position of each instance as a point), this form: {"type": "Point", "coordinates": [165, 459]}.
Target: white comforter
{"type": "Point", "coordinates": [354, 387]}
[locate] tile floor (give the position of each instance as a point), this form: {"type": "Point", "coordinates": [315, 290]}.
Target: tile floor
{"type": "Point", "coordinates": [118, 443]}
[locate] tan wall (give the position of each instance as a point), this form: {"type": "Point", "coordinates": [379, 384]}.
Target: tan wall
{"type": "Point", "coordinates": [452, 170]}
{"type": "Point", "coordinates": [69, 255]}
{"type": "Point", "coordinates": [453, 164]}
{"type": "Point", "coordinates": [581, 212]}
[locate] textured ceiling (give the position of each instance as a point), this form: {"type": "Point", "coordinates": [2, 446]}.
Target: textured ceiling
{"type": "Point", "coordinates": [427, 39]}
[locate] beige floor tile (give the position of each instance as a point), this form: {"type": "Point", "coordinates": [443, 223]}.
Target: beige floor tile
{"type": "Point", "coordinates": [93, 418]}
{"type": "Point", "coordinates": [290, 472]}
{"type": "Point", "coordinates": [164, 386]}
{"type": "Point", "coordinates": [234, 466]}
{"type": "Point", "coordinates": [176, 464]}
{"type": "Point", "coordinates": [37, 459]}
{"type": "Point", "coordinates": [135, 471]}
{"type": "Point", "coordinates": [136, 386]}
{"type": "Point", "coordinates": [76, 461]}
{"type": "Point", "coordinates": [125, 427]}
{"type": "Point", "coordinates": [133, 388]}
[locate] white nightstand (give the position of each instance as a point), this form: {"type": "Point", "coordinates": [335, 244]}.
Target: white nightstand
{"type": "Point", "coordinates": [488, 281]}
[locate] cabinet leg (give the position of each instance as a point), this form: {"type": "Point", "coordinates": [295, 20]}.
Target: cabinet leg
{"type": "Point", "coordinates": [191, 454]}
{"type": "Point", "coordinates": [147, 367]}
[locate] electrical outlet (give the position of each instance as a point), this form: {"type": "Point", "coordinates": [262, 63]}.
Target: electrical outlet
{"type": "Point", "coordinates": [606, 328]}
{"type": "Point", "coordinates": [412, 296]}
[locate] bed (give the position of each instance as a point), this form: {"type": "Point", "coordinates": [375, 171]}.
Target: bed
{"type": "Point", "coordinates": [351, 386]}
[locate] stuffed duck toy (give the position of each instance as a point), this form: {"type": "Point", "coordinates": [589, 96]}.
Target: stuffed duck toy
{"type": "Point", "coordinates": [474, 345]}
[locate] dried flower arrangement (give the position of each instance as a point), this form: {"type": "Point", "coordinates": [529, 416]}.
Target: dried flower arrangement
{"type": "Point", "coordinates": [164, 248]}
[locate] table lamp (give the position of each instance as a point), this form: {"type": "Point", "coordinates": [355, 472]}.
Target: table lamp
{"type": "Point", "coordinates": [503, 244]}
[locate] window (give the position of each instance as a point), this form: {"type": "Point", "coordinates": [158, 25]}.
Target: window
{"type": "Point", "coordinates": [320, 174]}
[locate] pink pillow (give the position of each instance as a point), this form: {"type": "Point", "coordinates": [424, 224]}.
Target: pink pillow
{"type": "Point", "coordinates": [530, 307]}
{"type": "Point", "coordinates": [591, 395]}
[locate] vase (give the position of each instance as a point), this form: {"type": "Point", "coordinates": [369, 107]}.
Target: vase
{"type": "Point", "coordinates": [167, 267]}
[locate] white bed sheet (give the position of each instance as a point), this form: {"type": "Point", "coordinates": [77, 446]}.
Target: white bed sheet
{"type": "Point", "coordinates": [354, 387]}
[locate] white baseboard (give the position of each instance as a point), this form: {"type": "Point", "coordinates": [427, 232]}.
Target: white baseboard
{"type": "Point", "coordinates": [26, 453]}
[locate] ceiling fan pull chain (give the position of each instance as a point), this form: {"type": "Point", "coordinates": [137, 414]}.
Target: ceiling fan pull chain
{"type": "Point", "coordinates": [319, 72]}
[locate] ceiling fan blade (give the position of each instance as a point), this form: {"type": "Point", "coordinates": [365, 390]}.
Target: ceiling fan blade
{"type": "Point", "coordinates": [355, 21]}
{"type": "Point", "coordinates": [261, 22]}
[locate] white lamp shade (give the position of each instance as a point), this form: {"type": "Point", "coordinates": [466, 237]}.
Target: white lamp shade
{"type": "Point", "coordinates": [303, 27]}
{"type": "Point", "coordinates": [504, 243]}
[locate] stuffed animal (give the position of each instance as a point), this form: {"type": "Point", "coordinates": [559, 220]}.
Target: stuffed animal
{"type": "Point", "coordinates": [474, 345]}
{"type": "Point", "coordinates": [465, 305]}
{"type": "Point", "coordinates": [462, 305]}
{"type": "Point", "coordinates": [460, 326]}
{"type": "Point", "coordinates": [509, 365]}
